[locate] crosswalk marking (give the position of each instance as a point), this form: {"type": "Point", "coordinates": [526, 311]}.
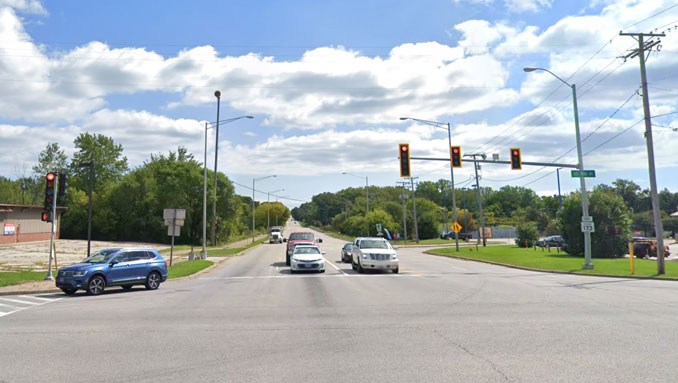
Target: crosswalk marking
{"type": "Point", "coordinates": [13, 305]}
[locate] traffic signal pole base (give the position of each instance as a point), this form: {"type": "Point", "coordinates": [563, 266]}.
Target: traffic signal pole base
{"type": "Point", "coordinates": [203, 255]}
{"type": "Point", "coordinates": [587, 266]}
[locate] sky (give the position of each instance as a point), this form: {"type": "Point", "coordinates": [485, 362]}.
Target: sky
{"type": "Point", "coordinates": [327, 83]}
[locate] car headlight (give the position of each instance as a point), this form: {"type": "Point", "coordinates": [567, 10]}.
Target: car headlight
{"type": "Point", "coordinates": [364, 255]}
{"type": "Point", "coordinates": [79, 273]}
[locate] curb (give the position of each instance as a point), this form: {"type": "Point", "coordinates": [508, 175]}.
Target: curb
{"type": "Point", "coordinates": [26, 292]}
{"type": "Point", "coordinates": [550, 271]}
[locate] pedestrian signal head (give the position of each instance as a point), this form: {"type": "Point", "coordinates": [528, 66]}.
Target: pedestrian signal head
{"type": "Point", "coordinates": [404, 158]}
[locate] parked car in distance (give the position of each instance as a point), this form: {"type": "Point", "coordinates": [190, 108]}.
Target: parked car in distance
{"type": "Point", "coordinates": [449, 234]}
{"type": "Point", "coordinates": [307, 258]}
{"type": "Point", "coordinates": [552, 241]}
{"type": "Point", "coordinates": [346, 252]}
{"type": "Point", "coordinates": [370, 253]}
{"type": "Point", "coordinates": [124, 267]}
{"type": "Point", "coordinates": [644, 247]}
{"type": "Point", "coordinates": [297, 238]}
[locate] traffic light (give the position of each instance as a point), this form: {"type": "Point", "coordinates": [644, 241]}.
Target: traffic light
{"type": "Point", "coordinates": [62, 185]}
{"type": "Point", "coordinates": [404, 155]}
{"type": "Point", "coordinates": [46, 216]}
{"type": "Point", "coordinates": [455, 155]}
{"type": "Point", "coordinates": [50, 179]}
{"type": "Point", "coordinates": [516, 162]}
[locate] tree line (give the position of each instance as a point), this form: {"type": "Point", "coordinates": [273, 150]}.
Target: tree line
{"type": "Point", "coordinates": [618, 210]}
{"type": "Point", "coordinates": [128, 203]}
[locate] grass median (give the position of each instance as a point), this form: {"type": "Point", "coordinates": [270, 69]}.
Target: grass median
{"type": "Point", "coordinates": [187, 268]}
{"type": "Point", "coordinates": [9, 278]}
{"type": "Point", "coordinates": [235, 250]}
{"type": "Point", "coordinates": [562, 262]}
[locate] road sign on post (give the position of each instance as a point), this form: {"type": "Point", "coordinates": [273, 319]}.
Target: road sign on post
{"type": "Point", "coordinates": [174, 220]}
{"type": "Point", "coordinates": [587, 226]}
{"type": "Point", "coordinates": [379, 227]}
{"type": "Point", "coordinates": [456, 227]}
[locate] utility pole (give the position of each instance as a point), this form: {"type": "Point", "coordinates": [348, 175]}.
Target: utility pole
{"type": "Point", "coordinates": [479, 199]}
{"type": "Point", "coordinates": [640, 52]}
{"type": "Point", "coordinates": [463, 197]}
{"type": "Point", "coordinates": [447, 225]}
{"type": "Point", "coordinates": [403, 197]}
{"type": "Point", "coordinates": [560, 196]}
{"type": "Point", "coordinates": [414, 210]}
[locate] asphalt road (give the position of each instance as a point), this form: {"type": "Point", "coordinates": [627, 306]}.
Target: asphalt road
{"type": "Point", "coordinates": [438, 320]}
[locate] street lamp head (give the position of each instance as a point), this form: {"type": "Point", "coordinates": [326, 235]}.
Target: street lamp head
{"type": "Point", "coordinates": [404, 118]}
{"type": "Point", "coordinates": [249, 116]}
{"type": "Point", "coordinates": [217, 94]}
{"type": "Point", "coordinates": [529, 69]}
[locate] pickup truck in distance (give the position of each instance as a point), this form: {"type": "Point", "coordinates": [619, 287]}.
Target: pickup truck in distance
{"type": "Point", "coordinates": [298, 238]}
{"type": "Point", "coordinates": [275, 234]}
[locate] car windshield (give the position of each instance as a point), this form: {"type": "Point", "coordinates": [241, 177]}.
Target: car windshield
{"type": "Point", "coordinates": [297, 236]}
{"type": "Point", "coordinates": [373, 244]}
{"type": "Point", "coordinates": [101, 256]}
{"type": "Point", "coordinates": [306, 250]}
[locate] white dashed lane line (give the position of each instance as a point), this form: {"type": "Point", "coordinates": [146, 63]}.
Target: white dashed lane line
{"type": "Point", "coordinates": [12, 304]}
{"type": "Point", "coordinates": [335, 266]}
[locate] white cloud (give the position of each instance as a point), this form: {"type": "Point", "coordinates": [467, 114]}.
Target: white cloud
{"type": "Point", "coordinates": [519, 6]}
{"type": "Point", "coordinates": [26, 6]}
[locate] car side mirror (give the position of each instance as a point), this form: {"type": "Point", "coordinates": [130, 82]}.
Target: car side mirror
{"type": "Point", "coordinates": [395, 247]}
{"type": "Point", "coordinates": [114, 262]}
{"type": "Point", "coordinates": [320, 240]}
{"type": "Point", "coordinates": [284, 239]}
{"type": "Point", "coordinates": [323, 252]}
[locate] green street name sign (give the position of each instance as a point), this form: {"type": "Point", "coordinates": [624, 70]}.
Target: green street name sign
{"type": "Point", "coordinates": [583, 173]}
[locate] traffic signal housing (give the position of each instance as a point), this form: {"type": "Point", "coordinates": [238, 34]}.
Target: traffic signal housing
{"type": "Point", "coordinates": [62, 185]}
{"type": "Point", "coordinates": [404, 156]}
{"type": "Point", "coordinates": [516, 161]}
{"type": "Point", "coordinates": [455, 156]}
{"type": "Point", "coordinates": [50, 180]}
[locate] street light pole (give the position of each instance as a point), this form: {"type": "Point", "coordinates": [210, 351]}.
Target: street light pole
{"type": "Point", "coordinates": [582, 181]}
{"type": "Point", "coordinates": [560, 196]}
{"type": "Point", "coordinates": [217, 94]}
{"type": "Point", "coordinates": [479, 200]}
{"type": "Point", "coordinates": [268, 207]}
{"type": "Point", "coordinates": [449, 139]}
{"type": "Point", "coordinates": [203, 254]}
{"type": "Point", "coordinates": [253, 190]}
{"type": "Point", "coordinates": [367, 201]}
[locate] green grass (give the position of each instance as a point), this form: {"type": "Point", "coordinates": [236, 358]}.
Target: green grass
{"type": "Point", "coordinates": [187, 268]}
{"type": "Point", "coordinates": [235, 250]}
{"type": "Point", "coordinates": [543, 260]}
{"type": "Point", "coordinates": [8, 278]}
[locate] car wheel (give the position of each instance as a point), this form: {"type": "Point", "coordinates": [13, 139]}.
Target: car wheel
{"type": "Point", "coordinates": [353, 265]}
{"type": "Point", "coordinates": [153, 280]}
{"type": "Point", "coordinates": [287, 260]}
{"type": "Point", "coordinates": [127, 287]}
{"type": "Point", "coordinates": [360, 267]}
{"type": "Point", "coordinates": [396, 270]}
{"type": "Point", "coordinates": [69, 290]}
{"type": "Point", "coordinates": [322, 271]}
{"type": "Point", "coordinates": [96, 285]}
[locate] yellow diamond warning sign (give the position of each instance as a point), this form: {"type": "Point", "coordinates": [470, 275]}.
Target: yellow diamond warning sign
{"type": "Point", "coordinates": [456, 227]}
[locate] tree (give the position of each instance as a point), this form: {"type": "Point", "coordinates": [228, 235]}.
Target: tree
{"type": "Point", "coordinates": [109, 163]}
{"type": "Point", "coordinates": [612, 218]}
{"type": "Point", "coordinates": [527, 234]}
{"type": "Point", "coordinates": [51, 159]}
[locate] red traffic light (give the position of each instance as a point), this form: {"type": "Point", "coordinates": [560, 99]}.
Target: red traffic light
{"type": "Point", "coordinates": [45, 216]}
{"type": "Point", "coordinates": [515, 152]}
{"type": "Point", "coordinates": [403, 148]}
{"type": "Point", "coordinates": [50, 176]}
{"type": "Point", "coordinates": [455, 150]}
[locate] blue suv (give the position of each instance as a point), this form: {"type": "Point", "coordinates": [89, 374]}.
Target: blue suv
{"type": "Point", "coordinates": [114, 267]}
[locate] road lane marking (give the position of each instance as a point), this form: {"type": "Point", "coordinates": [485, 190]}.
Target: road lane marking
{"type": "Point", "coordinates": [335, 266]}
{"type": "Point", "coordinates": [314, 276]}
{"type": "Point", "coordinates": [20, 305]}
{"type": "Point", "coordinates": [20, 301]}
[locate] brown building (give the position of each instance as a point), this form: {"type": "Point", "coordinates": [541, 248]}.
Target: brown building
{"type": "Point", "coordinates": [22, 223]}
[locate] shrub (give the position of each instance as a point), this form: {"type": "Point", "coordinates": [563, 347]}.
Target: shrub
{"type": "Point", "coordinates": [527, 231]}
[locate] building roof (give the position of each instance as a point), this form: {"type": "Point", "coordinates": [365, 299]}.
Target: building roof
{"type": "Point", "coordinates": [10, 207]}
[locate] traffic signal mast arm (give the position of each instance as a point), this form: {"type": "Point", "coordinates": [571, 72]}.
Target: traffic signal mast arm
{"type": "Point", "coordinates": [552, 164]}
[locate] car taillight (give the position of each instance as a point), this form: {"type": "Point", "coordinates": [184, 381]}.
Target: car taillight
{"type": "Point", "coordinates": [165, 264]}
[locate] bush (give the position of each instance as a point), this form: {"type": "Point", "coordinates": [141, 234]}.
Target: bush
{"type": "Point", "coordinates": [612, 219]}
{"type": "Point", "coordinates": [527, 231]}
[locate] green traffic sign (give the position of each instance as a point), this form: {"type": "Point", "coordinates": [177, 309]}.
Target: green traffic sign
{"type": "Point", "coordinates": [583, 173]}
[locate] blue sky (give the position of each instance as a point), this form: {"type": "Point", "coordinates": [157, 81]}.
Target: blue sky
{"type": "Point", "coordinates": [327, 81]}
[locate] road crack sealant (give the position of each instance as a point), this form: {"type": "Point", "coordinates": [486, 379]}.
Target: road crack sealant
{"type": "Point", "coordinates": [471, 353]}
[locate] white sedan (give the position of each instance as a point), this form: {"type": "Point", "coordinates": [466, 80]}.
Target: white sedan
{"type": "Point", "coordinates": [307, 258]}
